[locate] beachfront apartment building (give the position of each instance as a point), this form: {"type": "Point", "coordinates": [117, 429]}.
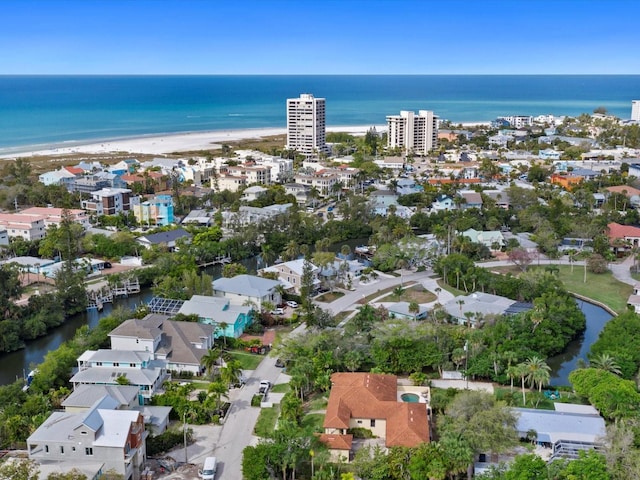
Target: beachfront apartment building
{"type": "Point", "coordinates": [108, 201]}
{"type": "Point", "coordinates": [228, 182]}
{"type": "Point", "coordinates": [417, 134]}
{"type": "Point", "coordinates": [306, 125]}
{"type": "Point", "coordinates": [518, 121]}
{"type": "Point", "coordinates": [157, 210]}
{"type": "Point", "coordinates": [54, 216]}
{"type": "Point", "coordinates": [26, 227]}
{"type": "Point", "coordinates": [635, 110]}
{"type": "Point", "coordinates": [322, 180]}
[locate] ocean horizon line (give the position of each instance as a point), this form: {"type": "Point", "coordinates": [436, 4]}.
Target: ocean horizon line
{"type": "Point", "coordinates": [320, 74]}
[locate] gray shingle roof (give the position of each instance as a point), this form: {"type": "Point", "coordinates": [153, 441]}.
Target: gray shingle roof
{"type": "Point", "coordinates": [249, 285]}
{"type": "Point", "coordinates": [87, 395]}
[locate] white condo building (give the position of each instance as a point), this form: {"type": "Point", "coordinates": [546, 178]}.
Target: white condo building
{"type": "Point", "coordinates": [413, 133]}
{"type": "Point", "coordinates": [306, 125]}
{"type": "Point", "coordinates": [635, 110]}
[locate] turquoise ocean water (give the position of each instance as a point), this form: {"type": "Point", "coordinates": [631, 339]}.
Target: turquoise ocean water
{"type": "Point", "coordinates": [46, 110]}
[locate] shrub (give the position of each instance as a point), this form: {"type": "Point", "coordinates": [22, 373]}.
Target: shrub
{"type": "Point", "coordinates": [256, 400]}
{"type": "Point", "coordinates": [159, 444]}
{"type": "Point", "coordinates": [360, 432]}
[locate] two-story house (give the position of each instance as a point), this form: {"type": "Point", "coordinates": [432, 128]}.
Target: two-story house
{"type": "Point", "coordinates": [290, 274]}
{"type": "Point", "coordinates": [218, 313]}
{"type": "Point", "coordinates": [180, 345]}
{"type": "Point", "coordinates": [120, 367]}
{"type": "Point", "coordinates": [373, 401]}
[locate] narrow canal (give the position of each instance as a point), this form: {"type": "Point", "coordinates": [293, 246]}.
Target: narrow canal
{"type": "Point", "coordinates": [563, 364]}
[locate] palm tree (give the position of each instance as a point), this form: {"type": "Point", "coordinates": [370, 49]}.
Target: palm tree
{"type": "Point", "coordinates": [345, 250]}
{"type": "Point", "coordinates": [223, 329]}
{"type": "Point", "coordinates": [230, 374]}
{"type": "Point", "coordinates": [267, 254]}
{"type": "Point", "coordinates": [606, 362]}
{"type": "Point", "coordinates": [217, 390]}
{"type": "Point", "coordinates": [522, 371]}
{"type": "Point", "coordinates": [512, 372]}
{"type": "Point", "coordinates": [538, 372]}
{"type": "Point", "coordinates": [291, 251]}
{"type": "Point", "coordinates": [210, 359]}
{"type": "Point", "coordinates": [415, 309]}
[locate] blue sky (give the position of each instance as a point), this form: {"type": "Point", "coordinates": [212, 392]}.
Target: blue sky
{"type": "Point", "coordinates": [319, 37]}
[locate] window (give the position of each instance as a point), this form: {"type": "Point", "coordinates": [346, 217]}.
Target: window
{"type": "Point", "coordinates": [46, 449]}
{"type": "Point", "coordinates": [359, 422]}
{"type": "Point", "coordinates": [373, 422]}
{"type": "Point", "coordinates": [98, 364]}
{"type": "Point", "coordinates": [73, 449]}
{"type": "Point", "coordinates": [62, 449]}
{"type": "Point", "coordinates": [116, 364]}
{"type": "Point", "coordinates": [88, 451]}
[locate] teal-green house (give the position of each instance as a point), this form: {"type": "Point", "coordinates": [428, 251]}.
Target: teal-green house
{"type": "Point", "coordinates": [218, 311]}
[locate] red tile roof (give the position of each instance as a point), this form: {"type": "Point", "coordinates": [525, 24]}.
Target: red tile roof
{"type": "Point", "coordinates": [624, 189]}
{"type": "Point", "coordinates": [374, 396]}
{"type": "Point", "coordinates": [336, 442]}
{"type": "Point", "coordinates": [74, 170]}
{"type": "Point", "coordinates": [615, 230]}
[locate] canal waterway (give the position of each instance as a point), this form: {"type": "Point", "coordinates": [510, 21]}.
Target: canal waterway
{"type": "Point", "coordinates": [564, 363]}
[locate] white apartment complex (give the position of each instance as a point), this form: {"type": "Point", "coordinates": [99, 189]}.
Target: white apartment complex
{"type": "Point", "coordinates": [635, 110]}
{"type": "Point", "coordinates": [518, 121]}
{"type": "Point", "coordinates": [306, 125]}
{"type": "Point", "coordinates": [413, 133]}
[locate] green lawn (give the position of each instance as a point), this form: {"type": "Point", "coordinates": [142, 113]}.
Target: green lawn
{"type": "Point", "coordinates": [329, 297]}
{"type": "Point", "coordinates": [248, 361]}
{"type": "Point", "coordinates": [267, 421]}
{"type": "Point", "coordinates": [602, 287]}
{"type": "Point", "coordinates": [313, 420]}
{"type": "Point", "coordinates": [281, 388]}
{"type": "Point", "coordinates": [317, 402]}
{"type": "Point", "coordinates": [415, 293]}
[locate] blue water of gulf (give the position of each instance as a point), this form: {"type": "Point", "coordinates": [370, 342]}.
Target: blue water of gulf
{"type": "Point", "coordinates": [46, 110]}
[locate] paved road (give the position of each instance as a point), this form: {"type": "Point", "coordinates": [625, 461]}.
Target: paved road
{"type": "Point", "coordinates": [237, 431]}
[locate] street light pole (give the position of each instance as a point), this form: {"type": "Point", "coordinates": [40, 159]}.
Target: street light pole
{"type": "Point", "coordinates": [184, 433]}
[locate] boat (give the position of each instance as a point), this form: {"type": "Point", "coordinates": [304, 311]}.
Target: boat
{"type": "Point", "coordinates": [29, 379]}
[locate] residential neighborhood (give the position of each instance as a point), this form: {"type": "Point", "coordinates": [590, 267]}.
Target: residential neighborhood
{"type": "Point", "coordinates": [407, 293]}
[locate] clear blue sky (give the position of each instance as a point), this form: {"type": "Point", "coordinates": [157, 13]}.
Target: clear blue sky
{"type": "Point", "coordinates": [319, 36]}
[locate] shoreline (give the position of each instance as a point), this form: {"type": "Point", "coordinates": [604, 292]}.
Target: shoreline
{"type": "Point", "coordinates": [167, 143]}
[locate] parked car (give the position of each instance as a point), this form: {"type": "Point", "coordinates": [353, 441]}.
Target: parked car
{"type": "Point", "coordinates": [265, 385]}
{"type": "Point", "coordinates": [277, 311]}
{"type": "Point", "coordinates": [292, 304]}
{"type": "Point", "coordinates": [279, 363]}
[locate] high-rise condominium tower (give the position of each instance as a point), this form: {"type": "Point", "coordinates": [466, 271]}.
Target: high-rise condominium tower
{"type": "Point", "coordinates": [306, 125]}
{"type": "Point", "coordinates": [635, 110]}
{"type": "Point", "coordinates": [413, 133]}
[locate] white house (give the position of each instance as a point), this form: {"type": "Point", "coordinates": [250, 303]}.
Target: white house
{"type": "Point", "coordinates": [180, 345]}
{"type": "Point", "coordinates": [291, 273]}
{"type": "Point", "coordinates": [248, 289]}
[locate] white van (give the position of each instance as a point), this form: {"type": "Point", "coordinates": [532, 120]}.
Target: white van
{"type": "Point", "coordinates": [208, 471]}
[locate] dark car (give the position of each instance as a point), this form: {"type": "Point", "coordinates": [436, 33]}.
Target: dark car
{"type": "Point", "coordinates": [279, 363]}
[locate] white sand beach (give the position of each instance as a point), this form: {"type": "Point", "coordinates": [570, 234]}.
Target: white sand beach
{"type": "Point", "coordinates": [169, 143]}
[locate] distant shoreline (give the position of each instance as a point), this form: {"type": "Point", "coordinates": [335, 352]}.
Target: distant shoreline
{"type": "Point", "coordinates": [163, 144]}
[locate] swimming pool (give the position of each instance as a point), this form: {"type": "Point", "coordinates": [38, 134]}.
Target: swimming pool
{"type": "Point", "coordinates": [410, 397]}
